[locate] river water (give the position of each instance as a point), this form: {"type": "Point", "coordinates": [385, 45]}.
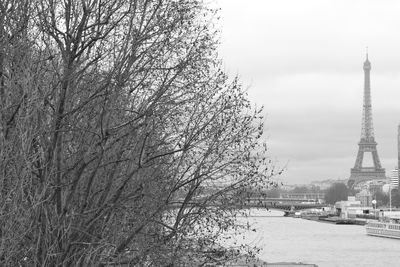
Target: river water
{"type": "Point", "coordinates": [285, 239]}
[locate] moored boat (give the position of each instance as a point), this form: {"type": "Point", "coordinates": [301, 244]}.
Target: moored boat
{"type": "Point", "coordinates": [389, 228]}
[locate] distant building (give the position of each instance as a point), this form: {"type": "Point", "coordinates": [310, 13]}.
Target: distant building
{"type": "Point", "coordinates": [325, 184]}
{"type": "Point", "coordinates": [342, 207]}
{"type": "Point", "coordinates": [309, 197]}
{"type": "Point", "coordinates": [393, 181]}
{"type": "Point", "coordinates": [377, 185]}
{"type": "Point", "coordinates": [372, 186]}
{"type": "Point", "coordinates": [350, 208]}
{"type": "Point", "coordinates": [287, 187]}
{"type": "Point", "coordinates": [386, 188]}
{"type": "Point", "coordinates": [394, 178]}
{"type": "Point", "coordinates": [365, 198]}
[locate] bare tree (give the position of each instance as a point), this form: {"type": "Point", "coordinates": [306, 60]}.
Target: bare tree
{"type": "Point", "coordinates": [122, 140]}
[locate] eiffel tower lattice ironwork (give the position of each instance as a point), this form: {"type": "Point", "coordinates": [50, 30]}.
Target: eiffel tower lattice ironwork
{"type": "Point", "coordinates": [367, 143]}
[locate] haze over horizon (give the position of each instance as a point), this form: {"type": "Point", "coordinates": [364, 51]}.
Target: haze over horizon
{"type": "Point", "coordinates": [303, 61]}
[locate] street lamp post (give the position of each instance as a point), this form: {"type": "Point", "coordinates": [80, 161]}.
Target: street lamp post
{"type": "Point", "coordinates": [374, 205]}
{"type": "Point", "coordinates": [390, 197]}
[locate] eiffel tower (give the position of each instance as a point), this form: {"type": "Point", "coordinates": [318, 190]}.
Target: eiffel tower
{"type": "Point", "coordinates": [367, 142]}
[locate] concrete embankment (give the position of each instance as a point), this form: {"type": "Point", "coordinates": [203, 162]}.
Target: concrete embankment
{"type": "Point", "coordinates": [332, 219]}
{"type": "Point", "coordinates": [338, 220]}
{"type": "Point", "coordinates": [259, 263]}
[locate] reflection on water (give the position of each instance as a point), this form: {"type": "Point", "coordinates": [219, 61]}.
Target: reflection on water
{"type": "Point", "coordinates": [297, 240]}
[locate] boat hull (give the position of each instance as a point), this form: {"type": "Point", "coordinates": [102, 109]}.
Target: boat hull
{"type": "Point", "coordinates": [381, 229]}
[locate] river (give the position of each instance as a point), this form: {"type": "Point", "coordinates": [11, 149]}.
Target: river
{"type": "Point", "coordinates": [285, 239]}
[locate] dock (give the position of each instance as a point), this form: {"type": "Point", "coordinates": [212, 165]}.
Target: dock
{"type": "Point", "coordinates": [338, 220]}
{"type": "Point", "coordinates": [259, 263]}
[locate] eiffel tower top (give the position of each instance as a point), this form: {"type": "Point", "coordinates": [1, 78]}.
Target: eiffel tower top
{"type": "Point", "coordinates": [367, 64]}
{"type": "Point", "coordinates": [367, 129]}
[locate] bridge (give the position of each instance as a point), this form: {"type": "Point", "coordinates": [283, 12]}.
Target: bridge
{"type": "Point", "coordinates": [285, 204]}
{"type": "Point", "coordinates": [282, 203]}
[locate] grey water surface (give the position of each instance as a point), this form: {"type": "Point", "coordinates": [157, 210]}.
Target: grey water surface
{"type": "Point", "coordinates": [285, 239]}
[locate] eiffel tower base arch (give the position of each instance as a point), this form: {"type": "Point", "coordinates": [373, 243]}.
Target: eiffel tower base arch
{"type": "Point", "coordinates": [366, 174]}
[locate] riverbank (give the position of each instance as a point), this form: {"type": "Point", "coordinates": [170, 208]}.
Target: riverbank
{"type": "Point", "coordinates": [336, 220]}
{"type": "Point", "coordinates": [326, 218]}
{"type": "Point", "coordinates": [260, 263]}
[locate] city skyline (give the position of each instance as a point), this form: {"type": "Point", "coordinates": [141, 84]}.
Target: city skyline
{"type": "Point", "coordinates": [305, 65]}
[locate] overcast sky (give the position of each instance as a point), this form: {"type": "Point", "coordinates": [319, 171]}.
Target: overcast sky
{"type": "Point", "coordinates": [303, 61]}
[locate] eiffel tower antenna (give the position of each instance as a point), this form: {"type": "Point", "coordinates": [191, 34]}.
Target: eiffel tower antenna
{"type": "Point", "coordinates": [367, 142]}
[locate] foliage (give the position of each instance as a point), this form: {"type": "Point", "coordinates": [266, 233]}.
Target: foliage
{"type": "Point", "coordinates": [352, 191]}
{"type": "Point", "coordinates": [121, 137]}
{"type": "Point", "coordinates": [273, 193]}
{"type": "Point", "coordinates": [381, 198]}
{"type": "Point", "coordinates": [395, 198]}
{"type": "Point", "coordinates": [336, 192]}
{"type": "Point", "coordinates": [306, 189]}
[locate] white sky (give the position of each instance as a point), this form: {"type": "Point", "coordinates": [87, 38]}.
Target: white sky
{"type": "Point", "coordinates": [303, 62]}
